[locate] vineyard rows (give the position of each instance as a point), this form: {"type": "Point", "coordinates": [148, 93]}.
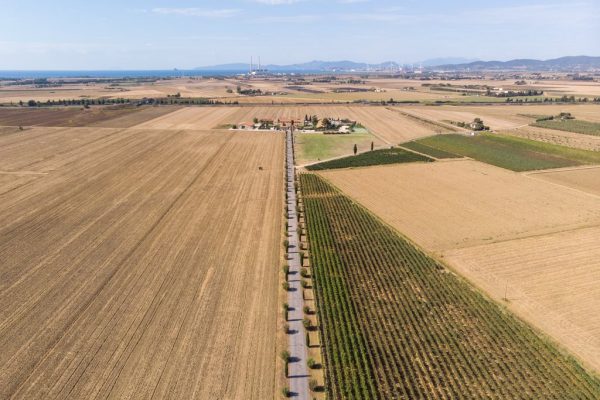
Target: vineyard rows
{"type": "Point", "coordinates": [397, 325]}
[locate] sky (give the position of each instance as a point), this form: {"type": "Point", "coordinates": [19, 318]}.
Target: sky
{"type": "Point", "coordinates": [184, 34]}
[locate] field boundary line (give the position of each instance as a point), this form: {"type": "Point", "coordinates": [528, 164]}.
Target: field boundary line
{"type": "Point", "coordinates": [565, 169]}
{"type": "Point", "coordinates": [439, 257]}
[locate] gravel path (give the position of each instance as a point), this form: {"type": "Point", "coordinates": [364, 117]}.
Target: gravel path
{"type": "Point", "coordinates": [298, 370]}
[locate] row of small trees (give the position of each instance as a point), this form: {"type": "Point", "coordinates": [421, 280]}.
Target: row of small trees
{"type": "Point", "coordinates": [170, 100]}
{"type": "Point", "coordinates": [563, 99]}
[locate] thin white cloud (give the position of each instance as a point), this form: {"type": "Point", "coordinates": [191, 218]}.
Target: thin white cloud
{"type": "Point", "coordinates": [352, 1]}
{"type": "Point", "coordinates": [308, 18]}
{"type": "Point", "coordinates": [571, 13]}
{"type": "Point", "coordinates": [276, 2]}
{"type": "Point", "coordinates": [199, 12]}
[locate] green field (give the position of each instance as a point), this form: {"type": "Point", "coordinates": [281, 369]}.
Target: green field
{"type": "Point", "coordinates": [571, 125]}
{"type": "Point", "coordinates": [313, 147]}
{"type": "Point", "coordinates": [427, 150]}
{"type": "Point", "coordinates": [394, 155]}
{"type": "Point", "coordinates": [510, 152]}
{"type": "Point", "coordinates": [396, 325]}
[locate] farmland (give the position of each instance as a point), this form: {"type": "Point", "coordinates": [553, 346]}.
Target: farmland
{"type": "Point", "coordinates": [394, 155]}
{"type": "Point", "coordinates": [316, 147]}
{"type": "Point", "coordinates": [504, 206]}
{"type": "Point", "coordinates": [502, 117]}
{"type": "Point", "coordinates": [428, 150]}
{"type": "Point", "coordinates": [512, 153]}
{"type": "Point", "coordinates": [571, 125]}
{"type": "Point", "coordinates": [552, 136]}
{"type": "Point", "coordinates": [119, 117]}
{"type": "Point", "coordinates": [118, 225]}
{"type": "Point", "coordinates": [397, 325]}
{"type": "Point", "coordinates": [586, 179]}
{"type": "Point", "coordinates": [117, 275]}
{"type": "Point", "coordinates": [530, 237]}
{"type": "Point", "coordinates": [551, 280]}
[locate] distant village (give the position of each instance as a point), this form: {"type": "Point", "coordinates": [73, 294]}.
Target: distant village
{"type": "Point", "coordinates": [310, 124]}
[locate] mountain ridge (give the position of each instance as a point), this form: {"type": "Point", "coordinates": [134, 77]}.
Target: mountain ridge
{"type": "Point", "coordinates": [561, 63]}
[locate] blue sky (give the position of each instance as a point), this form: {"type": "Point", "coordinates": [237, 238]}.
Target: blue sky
{"type": "Point", "coordinates": [135, 34]}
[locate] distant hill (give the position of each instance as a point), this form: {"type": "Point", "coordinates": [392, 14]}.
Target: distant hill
{"type": "Point", "coordinates": [572, 63]}
{"type": "Point", "coordinates": [446, 61]}
{"type": "Point", "coordinates": [316, 65]}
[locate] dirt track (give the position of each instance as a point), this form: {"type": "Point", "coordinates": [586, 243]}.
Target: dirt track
{"type": "Point", "coordinates": [118, 278]}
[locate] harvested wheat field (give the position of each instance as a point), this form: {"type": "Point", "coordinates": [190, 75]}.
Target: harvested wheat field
{"type": "Point", "coordinates": [552, 280]}
{"type": "Point", "coordinates": [109, 116]}
{"type": "Point", "coordinates": [118, 278]}
{"type": "Point", "coordinates": [586, 179]}
{"type": "Point", "coordinates": [200, 118]}
{"type": "Point", "coordinates": [454, 204]}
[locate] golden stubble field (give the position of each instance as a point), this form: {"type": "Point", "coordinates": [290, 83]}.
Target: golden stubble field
{"type": "Point", "coordinates": [139, 263]}
{"type": "Point", "coordinates": [531, 237]}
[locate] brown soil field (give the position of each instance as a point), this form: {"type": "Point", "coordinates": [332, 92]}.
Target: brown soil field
{"type": "Point", "coordinates": [586, 179]}
{"type": "Point", "coordinates": [448, 205]}
{"type": "Point", "coordinates": [118, 278]}
{"type": "Point", "coordinates": [552, 281]}
{"type": "Point", "coordinates": [121, 117]}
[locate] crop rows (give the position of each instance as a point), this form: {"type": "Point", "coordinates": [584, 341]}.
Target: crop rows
{"type": "Point", "coordinates": [397, 325]}
{"type": "Point", "coordinates": [427, 150]}
{"type": "Point", "coordinates": [393, 155]}
{"type": "Point", "coordinates": [571, 125]}
{"type": "Point", "coordinates": [516, 154]}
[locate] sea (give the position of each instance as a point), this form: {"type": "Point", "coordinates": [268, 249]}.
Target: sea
{"type": "Point", "coordinates": [119, 74]}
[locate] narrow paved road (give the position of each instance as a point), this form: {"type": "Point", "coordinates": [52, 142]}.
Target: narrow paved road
{"type": "Point", "coordinates": [298, 370]}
